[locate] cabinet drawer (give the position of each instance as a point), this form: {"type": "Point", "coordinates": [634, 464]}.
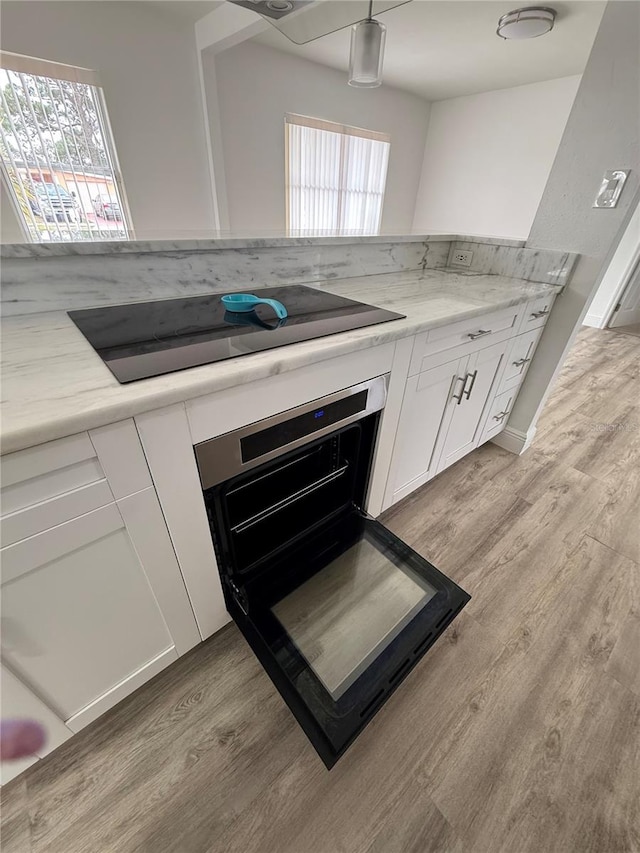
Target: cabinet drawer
{"type": "Point", "coordinates": [536, 313]}
{"type": "Point", "coordinates": [519, 358]}
{"type": "Point", "coordinates": [52, 483]}
{"type": "Point", "coordinates": [499, 412]}
{"type": "Point", "coordinates": [469, 335]}
{"type": "Point", "coordinates": [40, 473]}
{"type": "Point", "coordinates": [35, 519]}
{"type": "Point", "coordinates": [48, 485]}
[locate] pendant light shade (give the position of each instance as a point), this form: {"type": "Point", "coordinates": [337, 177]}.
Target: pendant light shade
{"type": "Point", "coordinates": [367, 53]}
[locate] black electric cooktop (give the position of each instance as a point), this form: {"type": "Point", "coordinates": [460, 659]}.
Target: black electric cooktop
{"type": "Point", "coordinates": [144, 339]}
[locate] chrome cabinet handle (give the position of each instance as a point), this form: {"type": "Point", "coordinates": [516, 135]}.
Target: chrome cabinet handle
{"type": "Point", "coordinates": [478, 334]}
{"type": "Point", "coordinates": [537, 314]}
{"type": "Point", "coordinates": [473, 375]}
{"type": "Point", "coordinates": [462, 379]}
{"type": "Point", "coordinates": [520, 362]}
{"type": "Point", "coordinates": [500, 416]}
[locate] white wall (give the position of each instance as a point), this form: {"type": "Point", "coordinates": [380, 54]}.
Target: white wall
{"type": "Point", "coordinates": [257, 85]}
{"type": "Point", "coordinates": [488, 156]}
{"type": "Point", "coordinates": [10, 230]}
{"type": "Point", "coordinates": [147, 63]}
{"type": "Point", "coordinates": [603, 132]}
{"type": "Point", "coordinates": [610, 288]}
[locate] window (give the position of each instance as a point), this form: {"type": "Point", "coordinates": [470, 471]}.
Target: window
{"type": "Point", "coordinates": [56, 152]}
{"type": "Point", "coordinates": [335, 177]}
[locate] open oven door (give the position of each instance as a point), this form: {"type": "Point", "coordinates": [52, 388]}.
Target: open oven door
{"type": "Point", "coordinates": [337, 609]}
{"type": "Point", "coordinates": [340, 620]}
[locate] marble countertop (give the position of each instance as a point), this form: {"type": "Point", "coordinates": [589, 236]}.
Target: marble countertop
{"type": "Point", "coordinates": [186, 243]}
{"type": "Point", "coordinates": [54, 384]}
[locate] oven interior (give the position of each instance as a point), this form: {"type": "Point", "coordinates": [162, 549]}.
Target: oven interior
{"type": "Point", "coordinates": [258, 516]}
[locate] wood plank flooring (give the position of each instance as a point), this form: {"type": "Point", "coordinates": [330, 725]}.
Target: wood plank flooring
{"type": "Point", "coordinates": [519, 731]}
{"type": "Point", "coordinates": [631, 329]}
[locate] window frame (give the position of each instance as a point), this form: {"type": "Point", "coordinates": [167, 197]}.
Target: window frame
{"type": "Point", "coordinates": [21, 64]}
{"type": "Point", "coordinates": [331, 127]}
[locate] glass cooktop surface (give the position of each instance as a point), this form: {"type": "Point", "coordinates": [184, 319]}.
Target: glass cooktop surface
{"type": "Point", "coordinates": [144, 339]}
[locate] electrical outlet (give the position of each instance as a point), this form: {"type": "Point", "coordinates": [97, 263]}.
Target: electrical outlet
{"type": "Point", "coordinates": [462, 259]}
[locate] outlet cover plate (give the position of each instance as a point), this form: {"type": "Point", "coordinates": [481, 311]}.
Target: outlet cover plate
{"type": "Point", "coordinates": [461, 258]}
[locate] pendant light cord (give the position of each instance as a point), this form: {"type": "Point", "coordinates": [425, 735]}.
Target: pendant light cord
{"type": "Point", "coordinates": [370, 17]}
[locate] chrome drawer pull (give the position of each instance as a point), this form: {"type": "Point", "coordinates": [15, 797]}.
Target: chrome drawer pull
{"type": "Point", "coordinates": [462, 379]}
{"type": "Point", "coordinates": [500, 416]}
{"type": "Point", "coordinates": [537, 314]}
{"type": "Point", "coordinates": [473, 375]}
{"type": "Point", "coordinates": [479, 333]}
{"type": "Point", "coordinates": [520, 362]}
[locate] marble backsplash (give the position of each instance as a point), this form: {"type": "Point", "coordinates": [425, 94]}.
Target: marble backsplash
{"type": "Point", "coordinates": [37, 282]}
{"type": "Point", "coordinates": [32, 285]}
{"type": "Point", "coordinates": [544, 265]}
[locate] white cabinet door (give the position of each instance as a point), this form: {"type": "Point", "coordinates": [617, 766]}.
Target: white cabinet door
{"type": "Point", "coordinates": [422, 420]}
{"type": "Point", "coordinates": [498, 414]}
{"type": "Point", "coordinates": [467, 405]}
{"type": "Point", "coordinates": [519, 358]}
{"type": "Point", "coordinates": [81, 624]}
{"type": "Point", "coordinates": [18, 702]}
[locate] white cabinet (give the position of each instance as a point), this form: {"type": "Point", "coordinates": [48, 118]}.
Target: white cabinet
{"type": "Point", "coordinates": [463, 416]}
{"type": "Point", "coordinates": [519, 358]}
{"type": "Point", "coordinates": [536, 313]}
{"type": "Point", "coordinates": [18, 702]}
{"type": "Point", "coordinates": [423, 409]}
{"type": "Point", "coordinates": [462, 382]}
{"type": "Point", "coordinates": [464, 337]}
{"type": "Point", "coordinates": [93, 601]}
{"type": "Point", "coordinates": [79, 615]}
{"type": "Point", "coordinates": [498, 414]}
{"type": "Point", "coordinates": [441, 417]}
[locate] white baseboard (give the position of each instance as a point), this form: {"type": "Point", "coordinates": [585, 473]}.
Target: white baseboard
{"type": "Point", "coordinates": [594, 320]}
{"type": "Point", "coordinates": [514, 440]}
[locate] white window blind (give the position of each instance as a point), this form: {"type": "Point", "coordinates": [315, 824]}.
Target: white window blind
{"type": "Point", "coordinates": [336, 177]}
{"type": "Point", "coordinates": [56, 152]}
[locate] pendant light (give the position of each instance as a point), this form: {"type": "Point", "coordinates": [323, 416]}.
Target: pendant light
{"type": "Point", "coordinates": [367, 52]}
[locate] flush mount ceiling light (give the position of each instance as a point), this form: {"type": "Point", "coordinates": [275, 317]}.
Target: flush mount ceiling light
{"type": "Point", "coordinates": [526, 23]}
{"type": "Point", "coordinates": [367, 52]}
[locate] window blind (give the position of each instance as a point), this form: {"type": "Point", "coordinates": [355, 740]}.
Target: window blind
{"type": "Point", "coordinates": [336, 177]}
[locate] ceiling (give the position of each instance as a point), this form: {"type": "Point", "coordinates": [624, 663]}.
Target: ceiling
{"type": "Point", "coordinates": [449, 48]}
{"type": "Point", "coordinates": [188, 11]}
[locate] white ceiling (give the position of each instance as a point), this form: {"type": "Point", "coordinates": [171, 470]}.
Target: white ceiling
{"type": "Point", "coordinates": [445, 49]}
{"type": "Point", "coordinates": [185, 10]}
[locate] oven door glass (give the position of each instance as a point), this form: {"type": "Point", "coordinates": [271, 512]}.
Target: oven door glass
{"type": "Point", "coordinates": [339, 622]}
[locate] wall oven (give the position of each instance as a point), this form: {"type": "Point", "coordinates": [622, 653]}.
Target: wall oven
{"type": "Point", "coordinates": [337, 609]}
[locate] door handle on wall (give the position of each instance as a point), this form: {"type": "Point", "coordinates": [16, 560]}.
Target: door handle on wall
{"type": "Point", "coordinates": [473, 375]}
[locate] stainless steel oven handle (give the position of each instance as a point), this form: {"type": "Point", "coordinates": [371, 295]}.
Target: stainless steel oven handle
{"type": "Point", "coordinates": [285, 502]}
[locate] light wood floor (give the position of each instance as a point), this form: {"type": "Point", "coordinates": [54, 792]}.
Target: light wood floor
{"type": "Point", "coordinates": [632, 329]}
{"type": "Point", "coordinates": [519, 731]}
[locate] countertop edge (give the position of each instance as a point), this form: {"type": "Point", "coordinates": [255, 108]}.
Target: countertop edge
{"type": "Point", "coordinates": [292, 357]}
{"type": "Point", "coordinates": [22, 251]}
